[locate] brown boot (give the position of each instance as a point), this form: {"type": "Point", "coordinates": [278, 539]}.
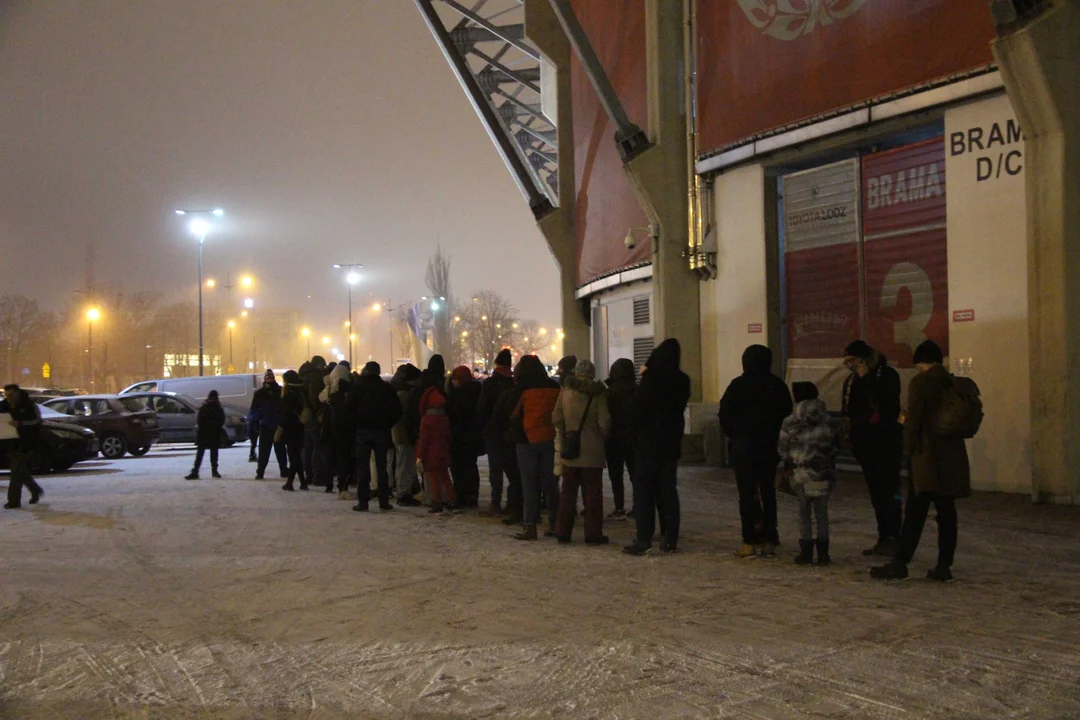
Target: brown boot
{"type": "Point", "coordinates": [527, 533]}
{"type": "Point", "coordinates": [492, 510]}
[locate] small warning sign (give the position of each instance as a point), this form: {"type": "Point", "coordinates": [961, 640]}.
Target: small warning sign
{"type": "Point", "coordinates": [754, 328]}
{"type": "Point", "coordinates": [46, 371]}
{"type": "Point", "coordinates": [963, 316]}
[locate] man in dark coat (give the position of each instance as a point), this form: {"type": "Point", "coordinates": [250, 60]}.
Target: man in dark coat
{"type": "Point", "coordinates": [622, 385]}
{"type": "Point", "coordinates": [871, 410]}
{"type": "Point", "coordinates": [26, 417]}
{"type": "Point", "coordinates": [266, 412]}
{"type": "Point", "coordinates": [376, 409]}
{"type": "Point", "coordinates": [465, 441]}
{"type": "Point", "coordinates": [211, 424]}
{"type": "Point", "coordinates": [752, 412]}
{"type": "Point", "coordinates": [501, 453]}
{"type": "Point", "coordinates": [940, 473]}
{"type": "Point", "coordinates": [312, 376]}
{"type": "Point", "coordinates": [659, 407]}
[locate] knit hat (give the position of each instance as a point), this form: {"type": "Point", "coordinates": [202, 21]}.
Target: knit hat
{"type": "Point", "coordinates": [462, 375]}
{"type": "Point", "coordinates": [928, 352]}
{"type": "Point", "coordinates": [269, 376]}
{"type": "Point", "coordinates": [567, 364]}
{"type": "Point", "coordinates": [504, 358]}
{"type": "Point", "coordinates": [585, 369]}
{"type": "Point", "coordinates": [804, 391]}
{"type": "Point", "coordinates": [858, 349]}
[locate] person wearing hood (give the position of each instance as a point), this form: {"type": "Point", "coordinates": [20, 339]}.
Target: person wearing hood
{"type": "Point", "coordinates": [340, 429]}
{"type": "Point", "coordinates": [871, 412]}
{"type": "Point", "coordinates": [210, 425]}
{"type": "Point", "coordinates": [376, 409]}
{"type": "Point", "coordinates": [493, 425]}
{"type": "Point", "coordinates": [658, 416]}
{"type": "Point", "coordinates": [433, 449]}
{"type": "Point", "coordinates": [809, 441]}
{"type": "Point", "coordinates": [404, 381]}
{"type": "Point", "coordinates": [266, 411]}
{"type": "Point", "coordinates": [621, 387]}
{"type": "Point", "coordinates": [465, 441]}
{"type": "Point", "coordinates": [433, 377]}
{"type": "Point", "coordinates": [535, 428]}
{"type": "Point", "coordinates": [582, 425]}
{"type": "Point", "coordinates": [751, 412]}
{"type": "Point", "coordinates": [291, 429]}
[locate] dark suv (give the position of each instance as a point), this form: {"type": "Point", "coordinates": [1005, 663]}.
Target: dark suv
{"type": "Point", "coordinates": [123, 425]}
{"type": "Point", "coordinates": [63, 443]}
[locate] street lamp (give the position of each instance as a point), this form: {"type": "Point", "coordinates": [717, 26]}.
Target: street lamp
{"type": "Point", "coordinates": [351, 278]}
{"type": "Point", "coordinates": [199, 226]}
{"type": "Point", "coordinates": [246, 281]}
{"type": "Point", "coordinates": [306, 333]}
{"type": "Point", "coordinates": [232, 326]}
{"type": "Point", "coordinates": [92, 315]}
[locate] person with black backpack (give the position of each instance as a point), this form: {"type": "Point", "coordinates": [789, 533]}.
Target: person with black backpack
{"type": "Point", "coordinates": [941, 411]}
{"type": "Point", "coordinates": [376, 409]}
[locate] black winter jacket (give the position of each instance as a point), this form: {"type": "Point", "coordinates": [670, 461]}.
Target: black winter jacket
{"type": "Point", "coordinates": [659, 405]}
{"type": "Point", "coordinates": [374, 405]}
{"type": "Point", "coordinates": [211, 419]}
{"type": "Point", "coordinates": [754, 407]}
{"type": "Point", "coordinates": [871, 406]}
{"type": "Point", "coordinates": [492, 425]}
{"type": "Point", "coordinates": [461, 406]}
{"type": "Point", "coordinates": [622, 386]}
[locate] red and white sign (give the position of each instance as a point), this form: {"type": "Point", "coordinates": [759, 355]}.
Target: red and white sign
{"type": "Point", "coordinates": [754, 328]}
{"type": "Point", "coordinates": [963, 316]}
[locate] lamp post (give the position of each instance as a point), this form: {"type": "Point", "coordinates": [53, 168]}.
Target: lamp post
{"type": "Point", "coordinates": [199, 227]}
{"type": "Point", "coordinates": [306, 333]}
{"type": "Point", "coordinates": [351, 279]}
{"type": "Point", "coordinates": [91, 315]}
{"type": "Point", "coordinates": [232, 325]}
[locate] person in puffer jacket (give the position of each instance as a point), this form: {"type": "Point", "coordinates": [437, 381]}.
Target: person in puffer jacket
{"type": "Point", "coordinates": [535, 429]}
{"type": "Point", "coordinates": [809, 441]}
{"type": "Point", "coordinates": [433, 449]}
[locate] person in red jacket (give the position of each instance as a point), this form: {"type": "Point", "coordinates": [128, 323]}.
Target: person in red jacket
{"type": "Point", "coordinates": [433, 449]}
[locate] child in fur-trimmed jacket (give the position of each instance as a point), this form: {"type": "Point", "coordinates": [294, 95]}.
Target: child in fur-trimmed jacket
{"type": "Point", "coordinates": [809, 440]}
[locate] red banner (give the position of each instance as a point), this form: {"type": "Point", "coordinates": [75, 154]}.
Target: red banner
{"type": "Point", "coordinates": [764, 64]}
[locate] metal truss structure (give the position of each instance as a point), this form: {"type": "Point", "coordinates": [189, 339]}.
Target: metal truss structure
{"type": "Point", "coordinates": [484, 42]}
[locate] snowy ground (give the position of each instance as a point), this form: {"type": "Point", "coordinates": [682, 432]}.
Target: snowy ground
{"type": "Point", "coordinates": [130, 593]}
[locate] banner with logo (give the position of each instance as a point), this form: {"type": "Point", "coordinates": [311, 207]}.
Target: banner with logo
{"type": "Point", "coordinates": [821, 243]}
{"type": "Point", "coordinates": [905, 253]}
{"type": "Point", "coordinates": [764, 64]}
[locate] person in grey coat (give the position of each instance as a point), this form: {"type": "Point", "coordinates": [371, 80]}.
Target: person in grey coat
{"type": "Point", "coordinates": [809, 441]}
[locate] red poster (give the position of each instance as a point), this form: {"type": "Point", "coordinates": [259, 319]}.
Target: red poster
{"type": "Point", "coordinates": [905, 249]}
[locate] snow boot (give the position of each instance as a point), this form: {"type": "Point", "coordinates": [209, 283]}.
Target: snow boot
{"type": "Point", "coordinates": [527, 533]}
{"type": "Point", "coordinates": [806, 553]}
{"type": "Point", "coordinates": [823, 552]}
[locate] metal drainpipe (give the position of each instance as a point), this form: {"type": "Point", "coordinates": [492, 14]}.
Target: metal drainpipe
{"type": "Point", "coordinates": [689, 78]}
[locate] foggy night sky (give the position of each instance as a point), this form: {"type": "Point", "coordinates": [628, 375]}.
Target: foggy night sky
{"type": "Point", "coordinates": [329, 130]}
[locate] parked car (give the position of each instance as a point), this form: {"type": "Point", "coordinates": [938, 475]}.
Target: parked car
{"type": "Point", "coordinates": [122, 425]}
{"type": "Point", "coordinates": [177, 417]}
{"type": "Point", "coordinates": [235, 391]}
{"type": "Point", "coordinates": [63, 443]}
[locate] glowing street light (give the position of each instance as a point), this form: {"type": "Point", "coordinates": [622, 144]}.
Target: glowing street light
{"type": "Point", "coordinates": [543, 331]}
{"type": "Point", "coordinates": [199, 227]}
{"type": "Point", "coordinates": [306, 334]}
{"type": "Point", "coordinates": [246, 281]}
{"type": "Point", "coordinates": [243, 313]}
{"type": "Point", "coordinates": [92, 316]}
{"type": "Point", "coordinates": [376, 307]}
{"type": "Point", "coordinates": [211, 283]}
{"type": "Point", "coordinates": [351, 278]}
{"type": "Point", "coordinates": [249, 303]}
{"type": "Point", "coordinates": [326, 341]}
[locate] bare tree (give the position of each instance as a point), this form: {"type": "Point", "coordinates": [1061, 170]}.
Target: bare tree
{"type": "Point", "coordinates": [489, 325]}
{"type": "Point", "coordinates": [533, 337]}
{"type": "Point", "coordinates": [19, 318]}
{"type": "Point", "coordinates": [438, 284]}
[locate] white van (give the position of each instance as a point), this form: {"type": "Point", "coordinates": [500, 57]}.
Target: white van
{"type": "Point", "coordinates": [234, 391]}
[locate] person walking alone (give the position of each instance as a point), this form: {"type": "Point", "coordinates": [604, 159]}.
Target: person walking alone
{"type": "Point", "coordinates": [266, 410]}
{"type": "Point", "coordinates": [940, 472]}
{"type": "Point", "coordinates": [659, 423]}
{"type": "Point", "coordinates": [26, 417]}
{"type": "Point", "coordinates": [752, 410]}
{"type": "Point", "coordinates": [582, 423]}
{"type": "Point", "coordinates": [493, 425]}
{"type": "Point", "coordinates": [809, 441]}
{"type": "Point", "coordinates": [622, 385]}
{"type": "Point", "coordinates": [211, 425]}
{"type": "Point", "coordinates": [871, 409]}
{"type": "Point", "coordinates": [291, 431]}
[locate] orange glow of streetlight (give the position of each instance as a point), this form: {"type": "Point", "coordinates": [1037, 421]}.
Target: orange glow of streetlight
{"type": "Point", "coordinates": [376, 307]}
{"type": "Point", "coordinates": [326, 341]}
{"type": "Point", "coordinates": [305, 332]}
{"type": "Point", "coordinates": [211, 283]}
{"type": "Point", "coordinates": [93, 314]}
{"type": "Point", "coordinates": [543, 331]}
{"type": "Point", "coordinates": [243, 313]}
{"type": "Point", "coordinates": [232, 324]}
{"type": "Point", "coordinates": [246, 281]}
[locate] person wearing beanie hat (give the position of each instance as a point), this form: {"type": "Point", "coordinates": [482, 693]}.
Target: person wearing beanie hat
{"type": "Point", "coordinates": [493, 420]}
{"type": "Point", "coordinates": [264, 416]}
{"type": "Point", "coordinates": [566, 367]}
{"type": "Point", "coordinates": [466, 443]}
{"type": "Point", "coordinates": [211, 424]}
{"type": "Point", "coordinates": [871, 412]}
{"type": "Point", "coordinates": [939, 467]}
{"type": "Point", "coordinates": [291, 429]}
{"type": "Point", "coordinates": [581, 411]}
{"type": "Point", "coordinates": [253, 420]}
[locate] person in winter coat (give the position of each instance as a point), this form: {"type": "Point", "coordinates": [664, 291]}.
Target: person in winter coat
{"type": "Point", "coordinates": [404, 381]}
{"type": "Point", "coordinates": [211, 424]}
{"type": "Point", "coordinates": [492, 419]}
{"type": "Point", "coordinates": [533, 414]}
{"type": "Point", "coordinates": [313, 375]}
{"type": "Point", "coordinates": [566, 368]}
{"type": "Point", "coordinates": [266, 409]}
{"type": "Point", "coordinates": [659, 405]}
{"type": "Point", "coordinates": [291, 429]}
{"type": "Point", "coordinates": [751, 412]}
{"type": "Point", "coordinates": [465, 441]}
{"type": "Point", "coordinates": [871, 410]}
{"type": "Point", "coordinates": [434, 376]}
{"type": "Point", "coordinates": [433, 449]}
{"type": "Point", "coordinates": [582, 409]}
{"type": "Point", "coordinates": [940, 472]}
{"type": "Point", "coordinates": [809, 441]}
{"type": "Point", "coordinates": [621, 386]}
{"type": "Point", "coordinates": [341, 450]}
{"type": "Point", "coordinates": [26, 417]}
{"type": "Point", "coordinates": [376, 409]}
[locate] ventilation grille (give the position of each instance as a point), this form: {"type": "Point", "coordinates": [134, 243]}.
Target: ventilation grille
{"type": "Point", "coordinates": [643, 347]}
{"type": "Point", "coordinates": [642, 316]}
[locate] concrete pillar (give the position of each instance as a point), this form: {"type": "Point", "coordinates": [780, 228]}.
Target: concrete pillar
{"type": "Point", "coordinates": [543, 29]}
{"type": "Point", "coordinates": [1038, 61]}
{"type": "Point", "coordinates": [659, 177]}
